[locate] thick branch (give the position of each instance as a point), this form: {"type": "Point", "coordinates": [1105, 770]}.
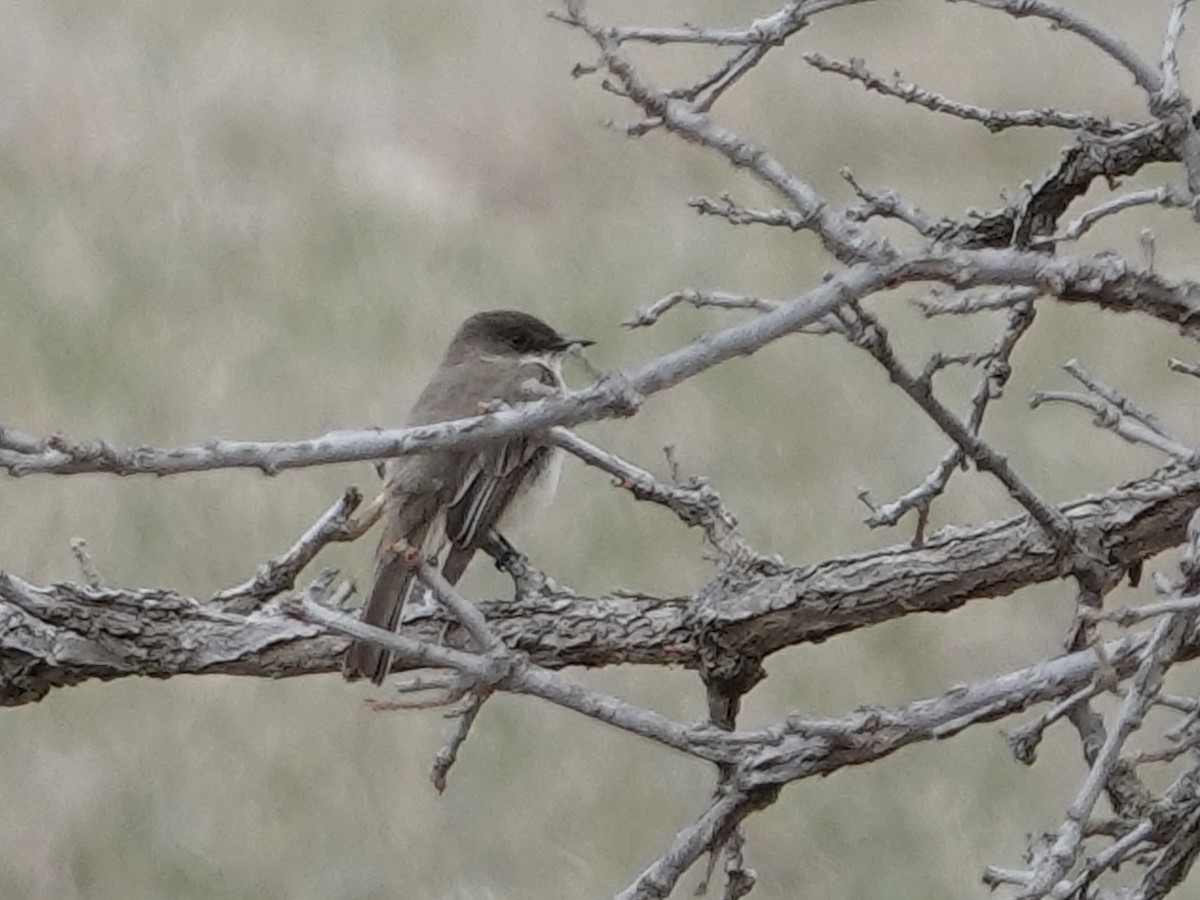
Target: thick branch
{"type": "Point", "coordinates": [65, 634]}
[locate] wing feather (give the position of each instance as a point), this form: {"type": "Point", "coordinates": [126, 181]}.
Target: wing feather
{"type": "Point", "coordinates": [488, 485]}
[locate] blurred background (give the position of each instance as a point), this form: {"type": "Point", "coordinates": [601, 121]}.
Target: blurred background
{"type": "Point", "coordinates": [266, 219]}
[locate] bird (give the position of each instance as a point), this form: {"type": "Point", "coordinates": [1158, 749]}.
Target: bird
{"type": "Point", "coordinates": [460, 497]}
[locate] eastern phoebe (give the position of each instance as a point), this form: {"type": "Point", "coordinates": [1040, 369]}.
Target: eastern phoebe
{"type": "Point", "coordinates": [459, 496]}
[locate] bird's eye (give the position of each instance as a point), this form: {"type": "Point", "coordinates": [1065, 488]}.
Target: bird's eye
{"type": "Point", "coordinates": [520, 341]}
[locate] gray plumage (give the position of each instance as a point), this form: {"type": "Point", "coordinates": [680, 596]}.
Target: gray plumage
{"type": "Point", "coordinates": [458, 497]}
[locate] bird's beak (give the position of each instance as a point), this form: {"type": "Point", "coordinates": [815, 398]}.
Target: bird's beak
{"type": "Point", "coordinates": [568, 342]}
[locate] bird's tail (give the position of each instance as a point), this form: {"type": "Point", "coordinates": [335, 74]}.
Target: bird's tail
{"type": "Point", "coordinates": [456, 563]}
{"type": "Point", "coordinates": [393, 581]}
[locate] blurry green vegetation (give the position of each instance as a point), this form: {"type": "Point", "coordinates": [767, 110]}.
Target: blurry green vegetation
{"type": "Point", "coordinates": [266, 219]}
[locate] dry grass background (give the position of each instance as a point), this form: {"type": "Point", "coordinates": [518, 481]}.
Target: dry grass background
{"type": "Point", "coordinates": [266, 219]}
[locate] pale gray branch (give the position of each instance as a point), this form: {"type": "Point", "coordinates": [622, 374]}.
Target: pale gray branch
{"type": "Point", "coordinates": [938, 303]}
{"type": "Point", "coordinates": [866, 332]}
{"type": "Point", "coordinates": [447, 754]}
{"type": "Point", "coordinates": [87, 565]}
{"type": "Point", "coordinates": [651, 313]}
{"type": "Point", "coordinates": [1126, 427]}
{"type": "Point", "coordinates": [1131, 615]}
{"type": "Point", "coordinates": [691, 843]}
{"type": "Point", "coordinates": [844, 239]}
{"type": "Point", "coordinates": [1184, 368]}
{"type": "Point", "coordinates": [279, 573]}
{"type": "Point", "coordinates": [1143, 74]}
{"type": "Point", "coordinates": [1162, 649]}
{"type": "Point", "coordinates": [1106, 282]}
{"type": "Point", "coordinates": [1170, 103]}
{"type": "Point", "coordinates": [1167, 196]}
{"type": "Point", "coordinates": [997, 369]}
{"type": "Point", "coordinates": [695, 502]}
{"type": "Point", "coordinates": [890, 205]}
{"type": "Point", "coordinates": [512, 673]}
{"type": "Point", "coordinates": [772, 29]}
{"type": "Point", "coordinates": [64, 634]}
{"type": "Point", "coordinates": [993, 119]}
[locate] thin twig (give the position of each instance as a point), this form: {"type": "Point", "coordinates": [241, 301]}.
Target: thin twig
{"type": "Point", "coordinates": [447, 754]}
{"type": "Point", "coordinates": [1160, 653]}
{"type": "Point", "coordinates": [993, 119]}
{"type": "Point", "coordinates": [459, 606]}
{"type": "Point", "coordinates": [846, 240]}
{"type": "Point", "coordinates": [650, 314]}
{"type": "Point", "coordinates": [1170, 104]}
{"type": "Point", "coordinates": [1109, 858]}
{"type": "Point", "coordinates": [769, 29]}
{"type": "Point", "coordinates": [87, 565]}
{"type": "Point", "coordinates": [1143, 74]}
{"type": "Point", "coordinates": [1167, 196]}
{"type": "Point", "coordinates": [889, 204]}
{"type": "Point", "coordinates": [866, 332]}
{"type": "Point", "coordinates": [695, 502]}
{"type": "Point", "coordinates": [1024, 741]}
{"type": "Point", "coordinates": [1131, 615]}
{"type": "Point", "coordinates": [279, 573]}
{"type": "Point", "coordinates": [1080, 373]}
{"type": "Point", "coordinates": [1108, 416]}
{"type": "Point", "coordinates": [1172, 864]}
{"type": "Point", "coordinates": [521, 677]}
{"type": "Point", "coordinates": [691, 843]}
{"type": "Point", "coordinates": [997, 369]}
{"type": "Point", "coordinates": [938, 303]}
{"type": "Point", "coordinates": [1184, 368]}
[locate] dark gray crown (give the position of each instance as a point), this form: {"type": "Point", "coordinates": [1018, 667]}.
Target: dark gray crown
{"type": "Point", "coordinates": [510, 331]}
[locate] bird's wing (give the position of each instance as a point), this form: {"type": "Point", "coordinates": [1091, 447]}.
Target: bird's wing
{"type": "Point", "coordinates": [489, 486]}
{"type": "Point", "coordinates": [493, 476]}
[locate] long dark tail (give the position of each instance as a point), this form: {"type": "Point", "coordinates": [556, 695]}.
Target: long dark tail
{"type": "Point", "coordinates": [456, 563]}
{"type": "Point", "coordinates": [393, 582]}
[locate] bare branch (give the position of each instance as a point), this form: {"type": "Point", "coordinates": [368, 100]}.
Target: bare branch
{"type": "Point", "coordinates": [462, 609]}
{"type": "Point", "coordinates": [447, 754]}
{"type": "Point", "coordinates": [658, 880]}
{"type": "Point", "coordinates": [990, 387]}
{"type": "Point", "coordinates": [736, 214]}
{"type": "Point", "coordinates": [1170, 104]}
{"type": "Point", "coordinates": [17, 442]}
{"type": "Point", "coordinates": [992, 119]}
{"type": "Point", "coordinates": [696, 503]}
{"type": "Point", "coordinates": [1143, 74]}
{"type": "Point", "coordinates": [1126, 406]}
{"type": "Point", "coordinates": [1160, 653]}
{"type": "Point", "coordinates": [1107, 416]}
{"type": "Point", "coordinates": [1184, 368]}
{"type": "Point", "coordinates": [279, 573]}
{"type": "Point", "coordinates": [891, 205]}
{"type": "Point", "coordinates": [1024, 741]}
{"type": "Point", "coordinates": [63, 634]}
{"type": "Point", "coordinates": [1106, 282]}
{"type": "Point", "coordinates": [1168, 196]}
{"type": "Point", "coordinates": [1131, 615]}
{"type": "Point", "coordinates": [649, 315]}
{"type": "Point", "coordinates": [1172, 864]}
{"type": "Point", "coordinates": [508, 672]}
{"type": "Point", "coordinates": [846, 240]}
{"type": "Point", "coordinates": [773, 29]}
{"type": "Point", "coordinates": [867, 333]}
{"type": "Point", "coordinates": [91, 574]}
{"type": "Point", "coordinates": [958, 303]}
